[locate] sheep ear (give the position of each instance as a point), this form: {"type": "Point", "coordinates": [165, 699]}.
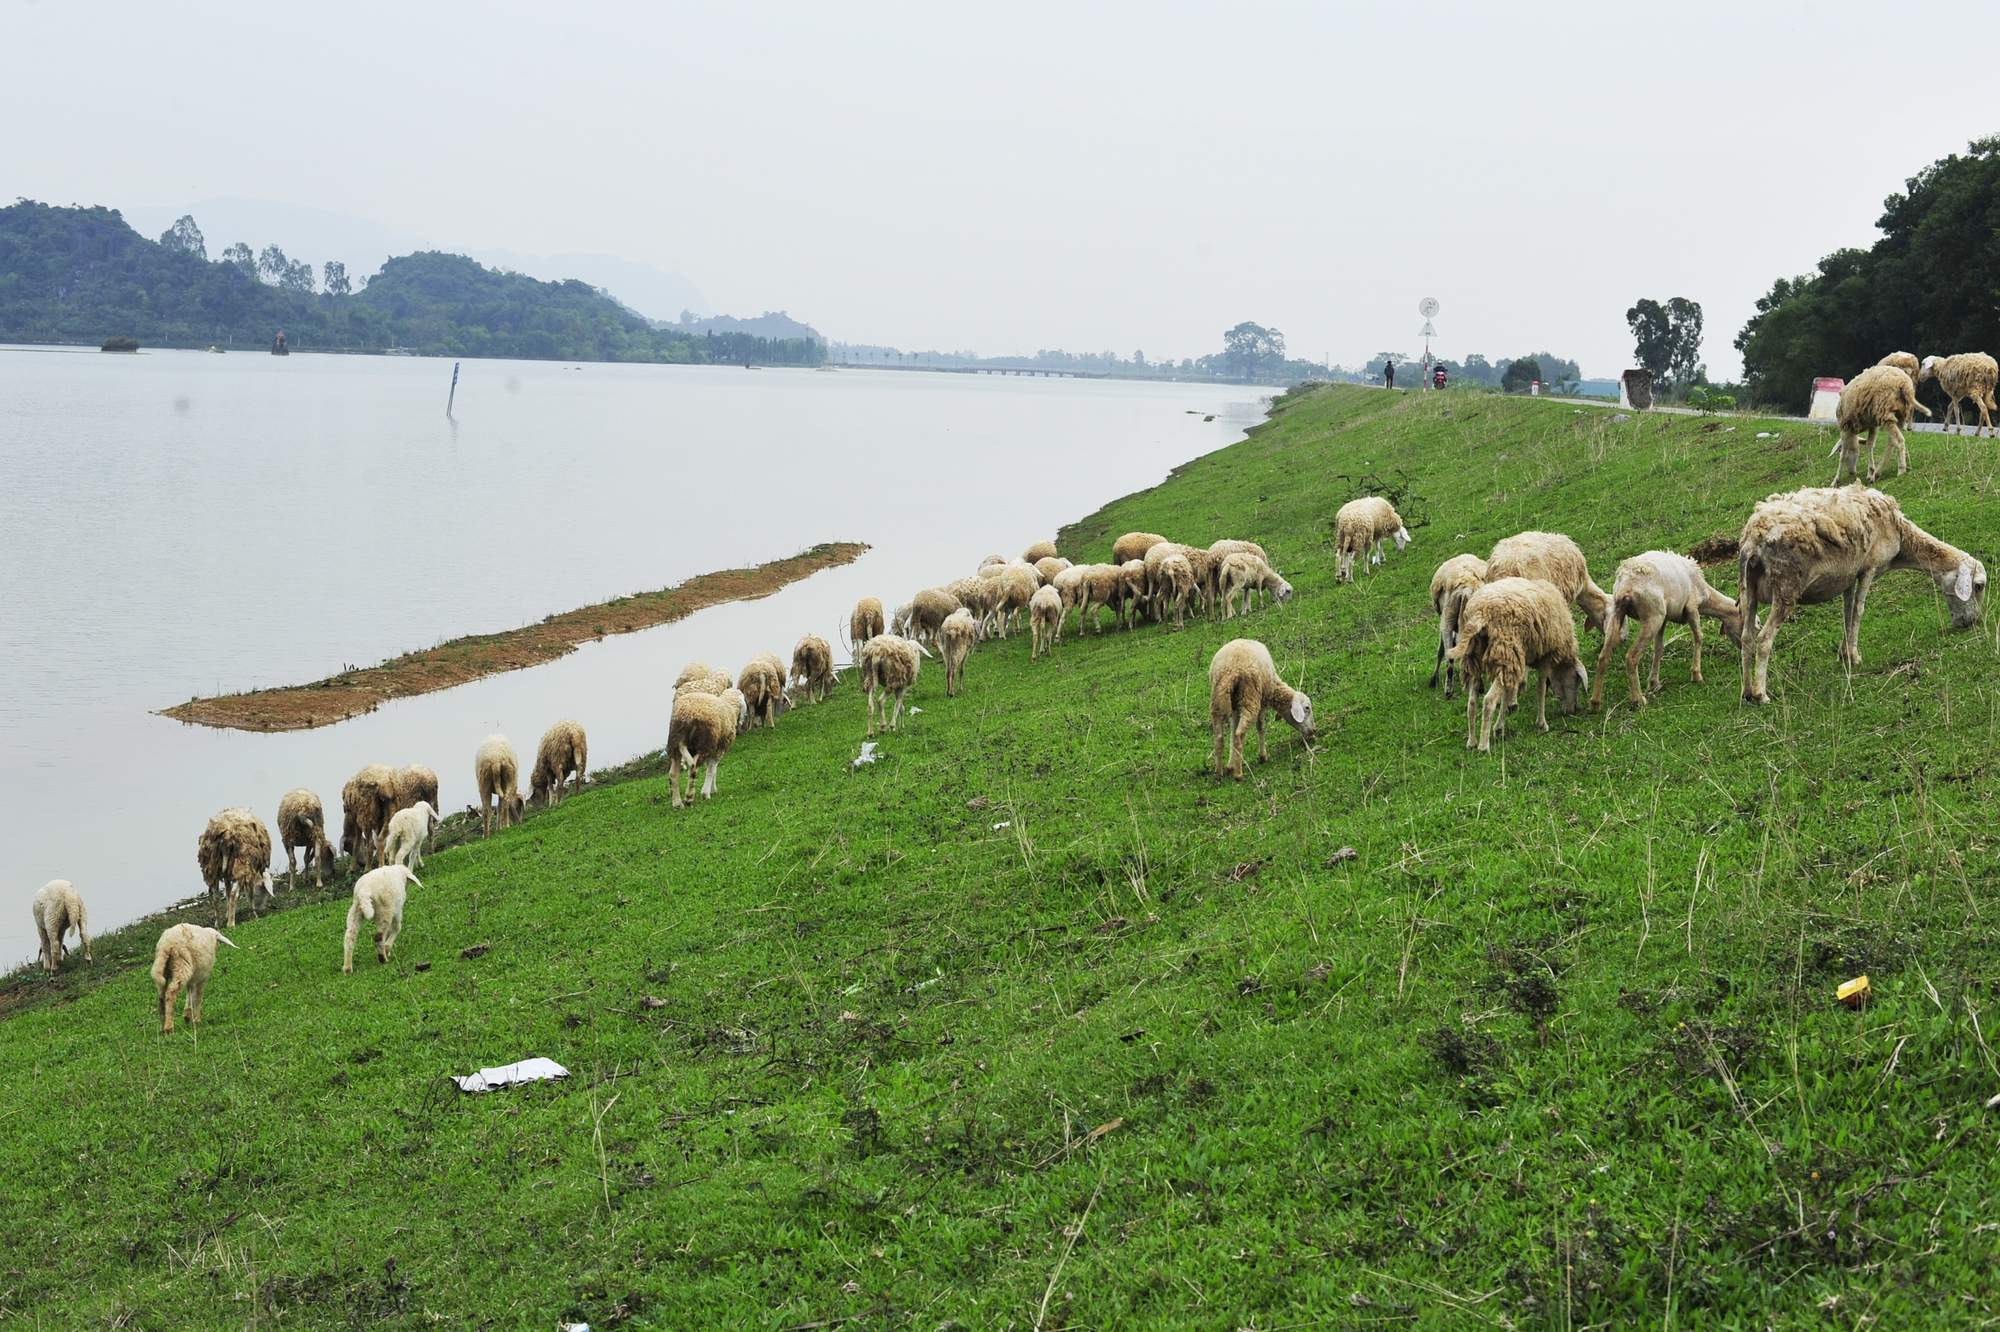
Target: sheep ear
{"type": "Point", "coordinates": [1301, 705]}
{"type": "Point", "coordinates": [1964, 592]}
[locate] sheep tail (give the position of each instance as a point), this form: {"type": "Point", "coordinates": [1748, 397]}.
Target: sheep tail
{"type": "Point", "coordinates": [224, 938]}
{"type": "Point", "coordinates": [414, 879]}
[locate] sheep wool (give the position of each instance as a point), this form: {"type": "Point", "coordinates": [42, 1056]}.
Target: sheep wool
{"type": "Point", "coordinates": [1049, 566]}
{"type": "Point", "coordinates": [930, 607]}
{"type": "Point", "coordinates": [1041, 550]}
{"type": "Point", "coordinates": [1133, 546]}
{"type": "Point", "coordinates": [182, 961]}
{"type": "Point", "coordinates": [496, 775]}
{"type": "Point", "coordinates": [1045, 618]}
{"type": "Point", "coordinates": [1451, 586]}
{"type": "Point", "coordinates": [1243, 684]}
{"type": "Point", "coordinates": [1363, 525]}
{"type": "Point", "coordinates": [1555, 559]}
{"type": "Point", "coordinates": [379, 896]}
{"type": "Point", "coordinates": [234, 853]}
{"type": "Point", "coordinates": [58, 910]}
{"type": "Point", "coordinates": [302, 827]}
{"type": "Point", "coordinates": [1656, 589]}
{"type": "Point", "coordinates": [888, 668]}
{"type": "Point", "coordinates": [416, 782]}
{"type": "Point", "coordinates": [762, 684]}
{"type": "Point", "coordinates": [866, 621]}
{"type": "Point", "coordinates": [1509, 627]}
{"type": "Point", "coordinates": [1881, 398]}
{"type": "Point", "coordinates": [563, 752]}
{"type": "Point", "coordinates": [812, 666]}
{"type": "Point", "coordinates": [955, 641]}
{"type": "Point", "coordinates": [1967, 375]}
{"type": "Point", "coordinates": [366, 803]}
{"type": "Point", "coordinates": [702, 729]}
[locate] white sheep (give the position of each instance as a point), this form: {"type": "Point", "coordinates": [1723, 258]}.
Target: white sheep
{"type": "Point", "coordinates": [302, 827]}
{"type": "Point", "coordinates": [1509, 627]}
{"type": "Point", "coordinates": [58, 910]}
{"type": "Point", "coordinates": [1967, 375]}
{"type": "Point", "coordinates": [1175, 585]}
{"type": "Point", "coordinates": [1243, 574]}
{"type": "Point", "coordinates": [234, 853]}
{"type": "Point", "coordinates": [866, 620]}
{"type": "Point", "coordinates": [762, 682]}
{"type": "Point", "coordinates": [1133, 546]}
{"type": "Point", "coordinates": [981, 596]}
{"type": "Point", "coordinates": [563, 752]}
{"type": "Point", "coordinates": [1242, 684]}
{"type": "Point", "coordinates": [1660, 588]}
{"type": "Point", "coordinates": [1201, 580]}
{"type": "Point", "coordinates": [1051, 565]}
{"type": "Point", "coordinates": [1045, 619]}
{"type": "Point", "coordinates": [366, 802]}
{"type": "Point", "coordinates": [496, 775]}
{"type": "Point", "coordinates": [1451, 586]}
{"type": "Point", "coordinates": [416, 782]}
{"type": "Point", "coordinates": [1555, 559]}
{"type": "Point", "coordinates": [404, 844]}
{"type": "Point", "coordinates": [702, 729]}
{"type": "Point", "coordinates": [379, 896]}
{"type": "Point", "coordinates": [1880, 398]}
{"type": "Point", "coordinates": [889, 667]}
{"type": "Point", "coordinates": [955, 642]}
{"type": "Point", "coordinates": [182, 960]}
{"type": "Point", "coordinates": [1363, 525]}
{"type": "Point", "coordinates": [812, 667]}
{"type": "Point", "coordinates": [1017, 587]}
{"type": "Point", "coordinates": [929, 609]}
{"type": "Point", "coordinates": [1041, 550]}
{"type": "Point", "coordinates": [1227, 547]}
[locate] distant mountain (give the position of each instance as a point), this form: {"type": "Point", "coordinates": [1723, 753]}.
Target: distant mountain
{"type": "Point", "coordinates": [655, 294]}
{"type": "Point", "coordinates": [770, 324]}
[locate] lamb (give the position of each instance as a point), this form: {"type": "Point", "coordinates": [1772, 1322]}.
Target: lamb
{"type": "Point", "coordinates": [366, 803]}
{"type": "Point", "coordinates": [58, 910]}
{"type": "Point", "coordinates": [1364, 524]}
{"type": "Point", "coordinates": [404, 843]}
{"type": "Point", "coordinates": [1882, 398]}
{"type": "Point", "coordinates": [1509, 627]}
{"type": "Point", "coordinates": [1049, 566]}
{"type": "Point", "coordinates": [1553, 558]}
{"type": "Point", "coordinates": [1810, 546]}
{"type": "Point", "coordinates": [1133, 546]}
{"type": "Point", "coordinates": [812, 666]}
{"type": "Point", "coordinates": [1659, 588]}
{"type": "Point", "coordinates": [302, 827]}
{"type": "Point", "coordinates": [762, 683]}
{"type": "Point", "coordinates": [496, 775]}
{"type": "Point", "coordinates": [1453, 583]}
{"type": "Point", "coordinates": [1242, 683]}
{"type": "Point", "coordinates": [1041, 550]}
{"type": "Point", "coordinates": [1045, 619]}
{"type": "Point", "coordinates": [234, 850]}
{"type": "Point", "coordinates": [1243, 574]}
{"type": "Point", "coordinates": [564, 750]}
{"type": "Point", "coordinates": [955, 639]}
{"type": "Point", "coordinates": [1966, 375]}
{"type": "Point", "coordinates": [930, 607]}
{"type": "Point", "coordinates": [866, 621]}
{"type": "Point", "coordinates": [701, 731]}
{"type": "Point", "coordinates": [888, 666]}
{"type": "Point", "coordinates": [183, 959]}
{"type": "Point", "coordinates": [378, 896]}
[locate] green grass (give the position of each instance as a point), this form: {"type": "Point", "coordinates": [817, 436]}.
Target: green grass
{"type": "Point", "coordinates": [1557, 1048]}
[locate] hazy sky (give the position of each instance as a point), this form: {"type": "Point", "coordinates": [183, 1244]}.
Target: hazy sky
{"type": "Point", "coordinates": [1013, 177]}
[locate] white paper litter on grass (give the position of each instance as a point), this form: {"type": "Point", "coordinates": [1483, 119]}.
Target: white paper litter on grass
{"type": "Point", "coordinates": [915, 711]}
{"type": "Point", "coordinates": [511, 1075]}
{"type": "Point", "coordinates": [868, 754]}
{"type": "Point", "coordinates": [1004, 823]}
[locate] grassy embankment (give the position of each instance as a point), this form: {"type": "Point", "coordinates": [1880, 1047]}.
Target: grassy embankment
{"type": "Point", "coordinates": [1037, 1022]}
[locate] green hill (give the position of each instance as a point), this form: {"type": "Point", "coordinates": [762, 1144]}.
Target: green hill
{"type": "Point", "coordinates": [83, 275]}
{"type": "Point", "coordinates": [1036, 1022]}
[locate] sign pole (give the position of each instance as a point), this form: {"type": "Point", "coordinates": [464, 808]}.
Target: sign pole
{"type": "Point", "coordinates": [454, 389]}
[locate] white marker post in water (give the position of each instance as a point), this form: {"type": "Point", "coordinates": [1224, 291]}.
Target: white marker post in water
{"type": "Point", "coordinates": [454, 389]}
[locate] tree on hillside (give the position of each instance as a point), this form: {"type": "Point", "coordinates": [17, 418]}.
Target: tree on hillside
{"type": "Point", "coordinates": [336, 278]}
{"type": "Point", "coordinates": [1667, 339]}
{"type": "Point", "coordinates": [185, 237]}
{"type": "Point", "coordinates": [1250, 349]}
{"type": "Point", "coordinates": [240, 255]}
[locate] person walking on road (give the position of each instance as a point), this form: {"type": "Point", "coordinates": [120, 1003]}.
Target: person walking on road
{"type": "Point", "coordinates": [1388, 374]}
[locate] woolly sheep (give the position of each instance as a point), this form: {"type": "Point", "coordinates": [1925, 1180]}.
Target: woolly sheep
{"type": "Point", "coordinates": [1226, 547]}
{"type": "Point", "coordinates": [701, 731]}
{"type": "Point", "coordinates": [1131, 593]}
{"type": "Point", "coordinates": [981, 596]}
{"type": "Point", "coordinates": [182, 960]}
{"type": "Point", "coordinates": [1555, 559]}
{"type": "Point", "coordinates": [1882, 398]}
{"type": "Point", "coordinates": [812, 667]}
{"type": "Point", "coordinates": [1242, 574]}
{"type": "Point", "coordinates": [1363, 525]}
{"type": "Point", "coordinates": [1966, 375]}
{"type": "Point", "coordinates": [888, 667]}
{"type": "Point", "coordinates": [1177, 586]}
{"type": "Point", "coordinates": [866, 621]}
{"type": "Point", "coordinates": [1660, 588]}
{"type": "Point", "coordinates": [1045, 618]}
{"type": "Point", "coordinates": [1133, 546]}
{"type": "Point", "coordinates": [930, 607]}
{"type": "Point", "coordinates": [955, 641]}
{"type": "Point", "coordinates": [1049, 566]}
{"type": "Point", "coordinates": [1041, 550]}
{"type": "Point", "coordinates": [1242, 683]}
{"type": "Point", "coordinates": [762, 684]}
{"type": "Point", "coordinates": [1509, 627]}
{"type": "Point", "coordinates": [58, 910]}
{"type": "Point", "coordinates": [1072, 585]}
{"type": "Point", "coordinates": [1202, 568]}
{"type": "Point", "coordinates": [899, 623]}
{"type": "Point", "coordinates": [1810, 546]}
{"type": "Point", "coordinates": [1455, 581]}
{"type": "Point", "coordinates": [234, 851]}
{"type": "Point", "coordinates": [302, 827]}
{"type": "Point", "coordinates": [496, 775]}
{"type": "Point", "coordinates": [404, 842]}
{"type": "Point", "coordinates": [366, 803]}
{"type": "Point", "coordinates": [378, 896]}
{"type": "Point", "coordinates": [564, 750]}
{"type": "Point", "coordinates": [1905, 362]}
{"type": "Point", "coordinates": [703, 678]}
{"type": "Point", "coordinates": [416, 782]}
{"type": "Point", "coordinates": [1018, 585]}
{"type": "Point", "coordinates": [1100, 586]}
{"type": "Point", "coordinates": [992, 560]}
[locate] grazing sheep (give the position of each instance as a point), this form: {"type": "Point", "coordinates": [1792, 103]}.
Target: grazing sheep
{"type": "Point", "coordinates": [1101, 587]}
{"type": "Point", "coordinates": [1509, 627]}
{"type": "Point", "coordinates": [378, 896]}
{"type": "Point", "coordinates": [1813, 545]}
{"type": "Point", "coordinates": [899, 623]}
{"type": "Point", "coordinates": [992, 560]}
{"type": "Point", "coordinates": [496, 775]}
{"type": "Point", "coordinates": [1133, 546]}
{"type": "Point", "coordinates": [404, 842]}
{"type": "Point", "coordinates": [1553, 558]}
{"type": "Point", "coordinates": [1966, 375]}
{"type": "Point", "coordinates": [1072, 585]}
{"type": "Point", "coordinates": [955, 640]}
{"type": "Point", "coordinates": [1455, 581]}
{"type": "Point", "coordinates": [1660, 588]}
{"type": "Point", "coordinates": [1363, 525]}
{"type": "Point", "coordinates": [1243, 574]}
{"type": "Point", "coordinates": [981, 596]}
{"type": "Point", "coordinates": [1041, 550]}
{"type": "Point", "coordinates": [1131, 593]}
{"type": "Point", "coordinates": [234, 851]}
{"type": "Point", "coordinates": [1882, 398]}
{"type": "Point", "coordinates": [58, 910]}
{"type": "Point", "coordinates": [1202, 568]}
{"type": "Point", "coordinates": [302, 827]}
{"type": "Point", "coordinates": [1176, 586]}
{"type": "Point", "coordinates": [888, 667]}
{"type": "Point", "coordinates": [1017, 585]}
{"type": "Point", "coordinates": [930, 607]}
{"type": "Point", "coordinates": [1049, 566]}
{"type": "Point", "coordinates": [183, 959]}
{"type": "Point", "coordinates": [812, 666]}
{"type": "Point", "coordinates": [416, 782]}
{"type": "Point", "coordinates": [1242, 683]}
{"type": "Point", "coordinates": [701, 731]}
{"type": "Point", "coordinates": [702, 677]}
{"type": "Point", "coordinates": [1227, 547]}
{"type": "Point", "coordinates": [366, 803]}
{"type": "Point", "coordinates": [866, 621]}
{"type": "Point", "coordinates": [734, 698]}
{"type": "Point", "coordinates": [1045, 619]}
{"type": "Point", "coordinates": [762, 683]}
{"type": "Point", "coordinates": [564, 750]}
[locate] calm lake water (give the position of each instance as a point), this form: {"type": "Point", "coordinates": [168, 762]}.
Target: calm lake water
{"type": "Point", "coordinates": [181, 523]}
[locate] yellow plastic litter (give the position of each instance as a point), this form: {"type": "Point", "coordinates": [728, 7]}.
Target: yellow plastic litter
{"type": "Point", "coordinates": [1854, 991]}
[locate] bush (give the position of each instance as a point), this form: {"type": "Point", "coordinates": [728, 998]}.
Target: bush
{"type": "Point", "coordinates": [1519, 374]}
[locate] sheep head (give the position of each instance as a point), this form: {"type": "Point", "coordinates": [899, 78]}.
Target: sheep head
{"type": "Point", "coordinates": [1571, 682]}
{"type": "Point", "coordinates": [1928, 370]}
{"type": "Point", "coordinates": [1403, 538]}
{"type": "Point", "coordinates": [1301, 714]}
{"type": "Point", "coordinates": [1964, 591]}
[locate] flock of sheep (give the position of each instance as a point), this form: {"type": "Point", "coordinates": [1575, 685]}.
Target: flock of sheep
{"type": "Point", "coordinates": [1884, 397]}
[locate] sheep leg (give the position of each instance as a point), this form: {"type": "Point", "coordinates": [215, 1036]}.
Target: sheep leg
{"type": "Point", "coordinates": [232, 904]}
{"type": "Point", "coordinates": [347, 944]}
{"type": "Point", "coordinates": [1902, 448]}
{"type": "Point", "coordinates": [176, 979]}
{"type": "Point", "coordinates": [897, 717]}
{"type": "Point", "coordinates": [1757, 655]}
{"type": "Point", "coordinates": [1240, 744]}
{"type": "Point", "coordinates": [1263, 753]}
{"type": "Point", "coordinates": [1495, 699]}
{"type": "Point", "coordinates": [385, 937]}
{"type": "Point", "coordinates": [1694, 632]}
{"type": "Point", "coordinates": [708, 784]}
{"type": "Point", "coordinates": [1854, 602]}
{"type": "Point", "coordinates": [1614, 628]}
{"type": "Point", "coordinates": [192, 1012]}
{"type": "Point", "coordinates": [1471, 679]}
{"type": "Point", "coordinates": [1220, 757]}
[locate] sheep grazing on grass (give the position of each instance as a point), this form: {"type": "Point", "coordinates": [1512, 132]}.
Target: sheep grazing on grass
{"type": "Point", "coordinates": [888, 668]}
{"type": "Point", "coordinates": [1041, 550]}
{"type": "Point", "coordinates": [1049, 566]}
{"type": "Point", "coordinates": [1881, 398]}
{"type": "Point", "coordinates": [1242, 684]}
{"type": "Point", "coordinates": [1102, 587]}
{"type": "Point", "coordinates": [1244, 575]}
{"type": "Point", "coordinates": [1226, 547]}
{"type": "Point", "coordinates": [1201, 567]}
{"type": "Point", "coordinates": [1660, 588]}
{"type": "Point", "coordinates": [812, 667]}
{"type": "Point", "coordinates": [1451, 586]}
{"type": "Point", "coordinates": [1072, 585]}
{"type": "Point", "coordinates": [1363, 525]}
{"type": "Point", "coordinates": [1966, 375]}
{"type": "Point", "coordinates": [404, 842]}
{"type": "Point", "coordinates": [1017, 587]}
{"type": "Point", "coordinates": [416, 782]}
{"type": "Point", "coordinates": [1176, 585]}
{"type": "Point", "coordinates": [700, 677]}
{"type": "Point", "coordinates": [762, 684]}
{"type": "Point", "coordinates": [1908, 364]}
{"type": "Point", "coordinates": [302, 827]}
{"type": "Point", "coordinates": [496, 775]}
{"type": "Point", "coordinates": [981, 596]}
{"type": "Point", "coordinates": [366, 802]}
{"type": "Point", "coordinates": [1553, 558]}
{"type": "Point", "coordinates": [564, 752]}
{"type": "Point", "coordinates": [1133, 546]}
{"type": "Point", "coordinates": [955, 642]}
{"type": "Point", "coordinates": [866, 621]}
{"type": "Point", "coordinates": [1813, 545]}
{"type": "Point", "coordinates": [378, 896]}
{"type": "Point", "coordinates": [234, 853]}
{"type": "Point", "coordinates": [930, 607]}
{"type": "Point", "coordinates": [1045, 619]}
{"type": "Point", "coordinates": [1131, 603]}
{"type": "Point", "coordinates": [1508, 628]}
{"type": "Point", "coordinates": [182, 960]}
{"type": "Point", "coordinates": [58, 910]}
{"type": "Point", "coordinates": [701, 731]}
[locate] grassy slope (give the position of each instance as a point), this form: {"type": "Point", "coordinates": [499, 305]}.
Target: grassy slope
{"type": "Point", "coordinates": [1557, 1048]}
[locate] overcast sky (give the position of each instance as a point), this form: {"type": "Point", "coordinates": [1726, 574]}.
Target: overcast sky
{"type": "Point", "coordinates": [1018, 176]}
